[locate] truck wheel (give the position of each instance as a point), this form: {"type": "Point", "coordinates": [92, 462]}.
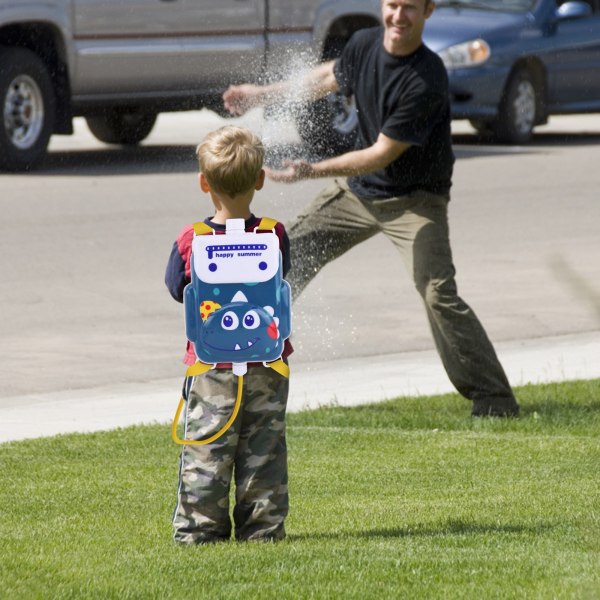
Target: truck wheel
{"type": "Point", "coordinates": [517, 114]}
{"type": "Point", "coordinates": [329, 126]}
{"type": "Point", "coordinates": [27, 98]}
{"type": "Point", "coordinates": [121, 126]}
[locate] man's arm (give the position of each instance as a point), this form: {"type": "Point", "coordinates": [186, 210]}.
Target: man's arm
{"type": "Point", "coordinates": [358, 162]}
{"type": "Point", "coordinates": [317, 83]}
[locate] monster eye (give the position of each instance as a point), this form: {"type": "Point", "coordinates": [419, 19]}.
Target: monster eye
{"type": "Point", "coordinates": [251, 320]}
{"type": "Point", "coordinates": [230, 320]}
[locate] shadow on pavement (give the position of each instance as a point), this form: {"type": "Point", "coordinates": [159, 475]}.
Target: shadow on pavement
{"type": "Point", "coordinates": [181, 158]}
{"type": "Point", "coordinates": [470, 145]}
{"type": "Point", "coordinates": [120, 161]}
{"type": "Point", "coordinates": [144, 159]}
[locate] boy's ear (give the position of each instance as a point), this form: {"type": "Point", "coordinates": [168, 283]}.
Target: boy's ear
{"type": "Point", "coordinates": [260, 180]}
{"type": "Point", "coordinates": [203, 183]}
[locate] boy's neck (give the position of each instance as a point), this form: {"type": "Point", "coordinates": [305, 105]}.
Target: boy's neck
{"type": "Point", "coordinates": [223, 214]}
{"type": "Point", "coordinates": [231, 208]}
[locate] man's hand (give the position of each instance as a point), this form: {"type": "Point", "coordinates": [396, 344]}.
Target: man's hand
{"type": "Point", "coordinates": [357, 162]}
{"type": "Point", "coordinates": [294, 170]}
{"type": "Point", "coordinates": [239, 99]}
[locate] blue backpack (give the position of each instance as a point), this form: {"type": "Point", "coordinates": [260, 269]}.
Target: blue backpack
{"type": "Point", "coordinates": [237, 305]}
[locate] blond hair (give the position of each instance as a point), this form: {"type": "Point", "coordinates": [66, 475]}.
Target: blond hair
{"type": "Point", "coordinates": [231, 159]}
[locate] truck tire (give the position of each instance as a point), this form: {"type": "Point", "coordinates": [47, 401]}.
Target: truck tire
{"type": "Point", "coordinates": [121, 126]}
{"type": "Point", "coordinates": [329, 126]}
{"type": "Point", "coordinates": [28, 102]}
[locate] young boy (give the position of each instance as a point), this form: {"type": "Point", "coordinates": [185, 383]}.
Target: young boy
{"type": "Point", "coordinates": [253, 450]}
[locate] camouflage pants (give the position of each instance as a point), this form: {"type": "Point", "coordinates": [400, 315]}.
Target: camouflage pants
{"type": "Point", "coordinates": [253, 451]}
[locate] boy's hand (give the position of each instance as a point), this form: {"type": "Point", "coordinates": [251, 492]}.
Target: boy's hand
{"type": "Point", "coordinates": [238, 99]}
{"type": "Point", "coordinates": [294, 170]}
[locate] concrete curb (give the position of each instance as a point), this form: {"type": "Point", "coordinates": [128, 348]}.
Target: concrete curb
{"type": "Point", "coordinates": [345, 382]}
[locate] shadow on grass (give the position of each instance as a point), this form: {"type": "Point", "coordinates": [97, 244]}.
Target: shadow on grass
{"type": "Point", "coordinates": [451, 527]}
{"type": "Point", "coordinates": [569, 401]}
{"type": "Point", "coordinates": [558, 409]}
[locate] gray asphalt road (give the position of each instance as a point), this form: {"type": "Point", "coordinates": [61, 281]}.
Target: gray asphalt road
{"type": "Point", "coordinates": [84, 242]}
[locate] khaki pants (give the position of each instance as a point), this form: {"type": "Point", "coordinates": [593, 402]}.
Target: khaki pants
{"type": "Point", "coordinates": [417, 225]}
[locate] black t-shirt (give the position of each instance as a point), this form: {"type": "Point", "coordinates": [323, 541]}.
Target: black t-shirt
{"type": "Point", "coordinates": [406, 99]}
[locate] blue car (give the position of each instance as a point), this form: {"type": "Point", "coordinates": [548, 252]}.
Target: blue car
{"type": "Point", "coordinates": [512, 63]}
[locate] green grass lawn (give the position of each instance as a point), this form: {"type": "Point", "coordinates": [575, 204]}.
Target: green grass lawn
{"type": "Point", "coordinates": [410, 498]}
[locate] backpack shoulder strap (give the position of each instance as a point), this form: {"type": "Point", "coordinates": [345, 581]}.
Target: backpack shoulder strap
{"type": "Point", "coordinates": [266, 224]}
{"type": "Point", "coordinates": [198, 368]}
{"type": "Point", "coordinates": [280, 367]}
{"type": "Point", "coordinates": [201, 228]}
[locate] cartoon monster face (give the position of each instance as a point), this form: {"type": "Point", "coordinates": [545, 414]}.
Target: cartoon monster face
{"type": "Point", "coordinates": [240, 332]}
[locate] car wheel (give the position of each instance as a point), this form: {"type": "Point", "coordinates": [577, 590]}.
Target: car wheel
{"type": "Point", "coordinates": [329, 126]}
{"type": "Point", "coordinates": [517, 115]}
{"type": "Point", "coordinates": [121, 126]}
{"type": "Point", "coordinates": [28, 102]}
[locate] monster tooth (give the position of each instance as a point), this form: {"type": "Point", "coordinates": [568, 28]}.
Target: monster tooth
{"type": "Point", "coordinates": [237, 347]}
{"type": "Point", "coordinates": [249, 343]}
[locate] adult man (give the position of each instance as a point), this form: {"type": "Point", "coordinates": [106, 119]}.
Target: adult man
{"type": "Point", "coordinates": [399, 179]}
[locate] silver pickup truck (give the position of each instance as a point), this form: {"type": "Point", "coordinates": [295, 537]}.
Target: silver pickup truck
{"type": "Point", "coordinates": [119, 63]}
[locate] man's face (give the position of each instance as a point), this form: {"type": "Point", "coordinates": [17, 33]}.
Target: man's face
{"type": "Point", "coordinates": [404, 21]}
